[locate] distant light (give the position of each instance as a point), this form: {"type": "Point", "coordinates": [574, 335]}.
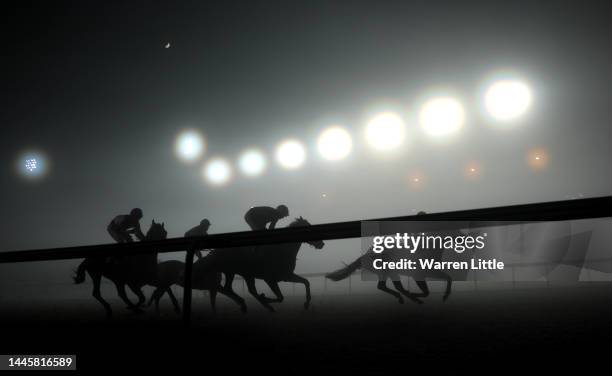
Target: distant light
{"type": "Point", "coordinates": [416, 180]}
{"type": "Point", "coordinates": [472, 171]}
{"type": "Point", "coordinates": [189, 146]}
{"type": "Point", "coordinates": [324, 195]}
{"type": "Point", "coordinates": [442, 116]}
{"type": "Point", "coordinates": [537, 159]}
{"type": "Point", "coordinates": [335, 143]}
{"type": "Point", "coordinates": [385, 131]}
{"type": "Point", "coordinates": [32, 164]}
{"type": "Point", "coordinates": [167, 45]}
{"type": "Point", "coordinates": [217, 171]}
{"type": "Point", "coordinates": [507, 99]}
{"type": "Point", "coordinates": [290, 154]}
{"type": "Point", "coordinates": [252, 162]}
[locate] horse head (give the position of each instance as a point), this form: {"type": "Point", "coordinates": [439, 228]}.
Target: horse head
{"type": "Point", "coordinates": [157, 231]}
{"type": "Point", "coordinates": [301, 222]}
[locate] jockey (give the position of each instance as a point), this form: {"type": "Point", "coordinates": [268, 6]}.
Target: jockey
{"type": "Point", "coordinates": [123, 225]}
{"type": "Point", "coordinates": [259, 216]}
{"type": "Point", "coordinates": [197, 231]}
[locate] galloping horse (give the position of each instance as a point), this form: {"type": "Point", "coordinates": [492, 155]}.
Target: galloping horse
{"type": "Point", "coordinates": [365, 262]}
{"type": "Point", "coordinates": [133, 271]}
{"type": "Point", "coordinates": [271, 263]}
{"type": "Point", "coordinates": [172, 273]}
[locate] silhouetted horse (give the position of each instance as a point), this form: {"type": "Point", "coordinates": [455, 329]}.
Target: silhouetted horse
{"type": "Point", "coordinates": [172, 273]}
{"type": "Point", "coordinates": [272, 263]}
{"type": "Point", "coordinates": [419, 277]}
{"type": "Point", "coordinates": [134, 271]}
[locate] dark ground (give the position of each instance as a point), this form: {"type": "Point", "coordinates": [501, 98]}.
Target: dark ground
{"type": "Point", "coordinates": [480, 332]}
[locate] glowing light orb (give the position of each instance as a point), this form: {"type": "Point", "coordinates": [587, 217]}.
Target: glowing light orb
{"type": "Point", "coordinates": [472, 171]}
{"type": "Point", "coordinates": [32, 165]}
{"type": "Point", "coordinates": [537, 159]}
{"type": "Point", "coordinates": [507, 99]}
{"type": "Point", "coordinates": [385, 131]}
{"type": "Point", "coordinates": [252, 162]}
{"type": "Point", "coordinates": [416, 180]}
{"type": "Point", "coordinates": [335, 143]}
{"type": "Point", "coordinates": [217, 171]}
{"type": "Point", "coordinates": [442, 116]}
{"type": "Point", "coordinates": [290, 154]}
{"type": "Point", "coordinates": [189, 146]}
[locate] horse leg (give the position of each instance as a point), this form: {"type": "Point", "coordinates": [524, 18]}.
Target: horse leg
{"type": "Point", "coordinates": [213, 299]}
{"type": "Point", "coordinates": [96, 278]}
{"type": "Point", "coordinates": [138, 291]}
{"type": "Point", "coordinates": [177, 307]}
{"type": "Point", "coordinates": [424, 289]}
{"type": "Point", "coordinates": [235, 297]}
{"type": "Point", "coordinates": [297, 279]}
{"type": "Point", "coordinates": [382, 286]}
{"type": "Point", "coordinates": [229, 280]}
{"type": "Point", "coordinates": [121, 291]}
{"type": "Point", "coordinates": [153, 297]}
{"type": "Point", "coordinates": [253, 290]}
{"type": "Point", "coordinates": [438, 274]}
{"type": "Point", "coordinates": [276, 290]}
{"type": "Point", "coordinates": [157, 294]}
{"type": "Point", "coordinates": [399, 287]}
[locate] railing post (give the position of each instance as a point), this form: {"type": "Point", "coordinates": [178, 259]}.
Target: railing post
{"type": "Point", "coordinates": [187, 286]}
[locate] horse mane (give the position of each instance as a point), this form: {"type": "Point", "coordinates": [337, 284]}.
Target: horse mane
{"type": "Point", "coordinates": [299, 222]}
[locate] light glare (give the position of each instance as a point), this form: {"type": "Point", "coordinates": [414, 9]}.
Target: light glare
{"type": "Point", "coordinates": [189, 146]}
{"type": "Point", "coordinates": [442, 116]}
{"type": "Point", "coordinates": [334, 143]}
{"type": "Point", "coordinates": [217, 171]}
{"type": "Point", "coordinates": [507, 99]}
{"type": "Point", "coordinates": [252, 162]}
{"type": "Point", "coordinates": [385, 131]}
{"type": "Point", "coordinates": [290, 154]}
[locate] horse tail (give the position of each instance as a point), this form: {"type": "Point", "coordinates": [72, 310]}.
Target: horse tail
{"type": "Point", "coordinates": [79, 275]}
{"type": "Point", "coordinates": [345, 272]}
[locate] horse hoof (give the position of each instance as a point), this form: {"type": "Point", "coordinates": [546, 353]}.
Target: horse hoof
{"type": "Point", "coordinates": [306, 305]}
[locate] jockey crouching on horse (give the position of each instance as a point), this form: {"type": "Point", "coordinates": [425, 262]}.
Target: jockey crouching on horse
{"type": "Point", "coordinates": [259, 216]}
{"type": "Point", "coordinates": [123, 225]}
{"type": "Point", "coordinates": [119, 229]}
{"type": "Point", "coordinates": [197, 231]}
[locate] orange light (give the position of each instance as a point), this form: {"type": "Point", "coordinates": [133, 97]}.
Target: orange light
{"type": "Point", "coordinates": [472, 171]}
{"type": "Point", "coordinates": [538, 159]}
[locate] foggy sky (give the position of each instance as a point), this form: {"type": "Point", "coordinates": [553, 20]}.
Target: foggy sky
{"type": "Point", "coordinates": [93, 86]}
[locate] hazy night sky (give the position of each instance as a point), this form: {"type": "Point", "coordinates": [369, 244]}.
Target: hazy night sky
{"type": "Point", "coordinates": [91, 85]}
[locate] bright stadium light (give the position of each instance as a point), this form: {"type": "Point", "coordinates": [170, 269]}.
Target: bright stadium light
{"type": "Point", "coordinates": [506, 100]}
{"type": "Point", "coordinates": [189, 146]}
{"type": "Point", "coordinates": [290, 154]}
{"type": "Point", "coordinates": [385, 131]}
{"type": "Point", "coordinates": [32, 164]}
{"type": "Point", "coordinates": [252, 162]}
{"type": "Point", "coordinates": [442, 116]}
{"type": "Point", "coordinates": [334, 143]}
{"type": "Point", "coordinates": [217, 171]}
